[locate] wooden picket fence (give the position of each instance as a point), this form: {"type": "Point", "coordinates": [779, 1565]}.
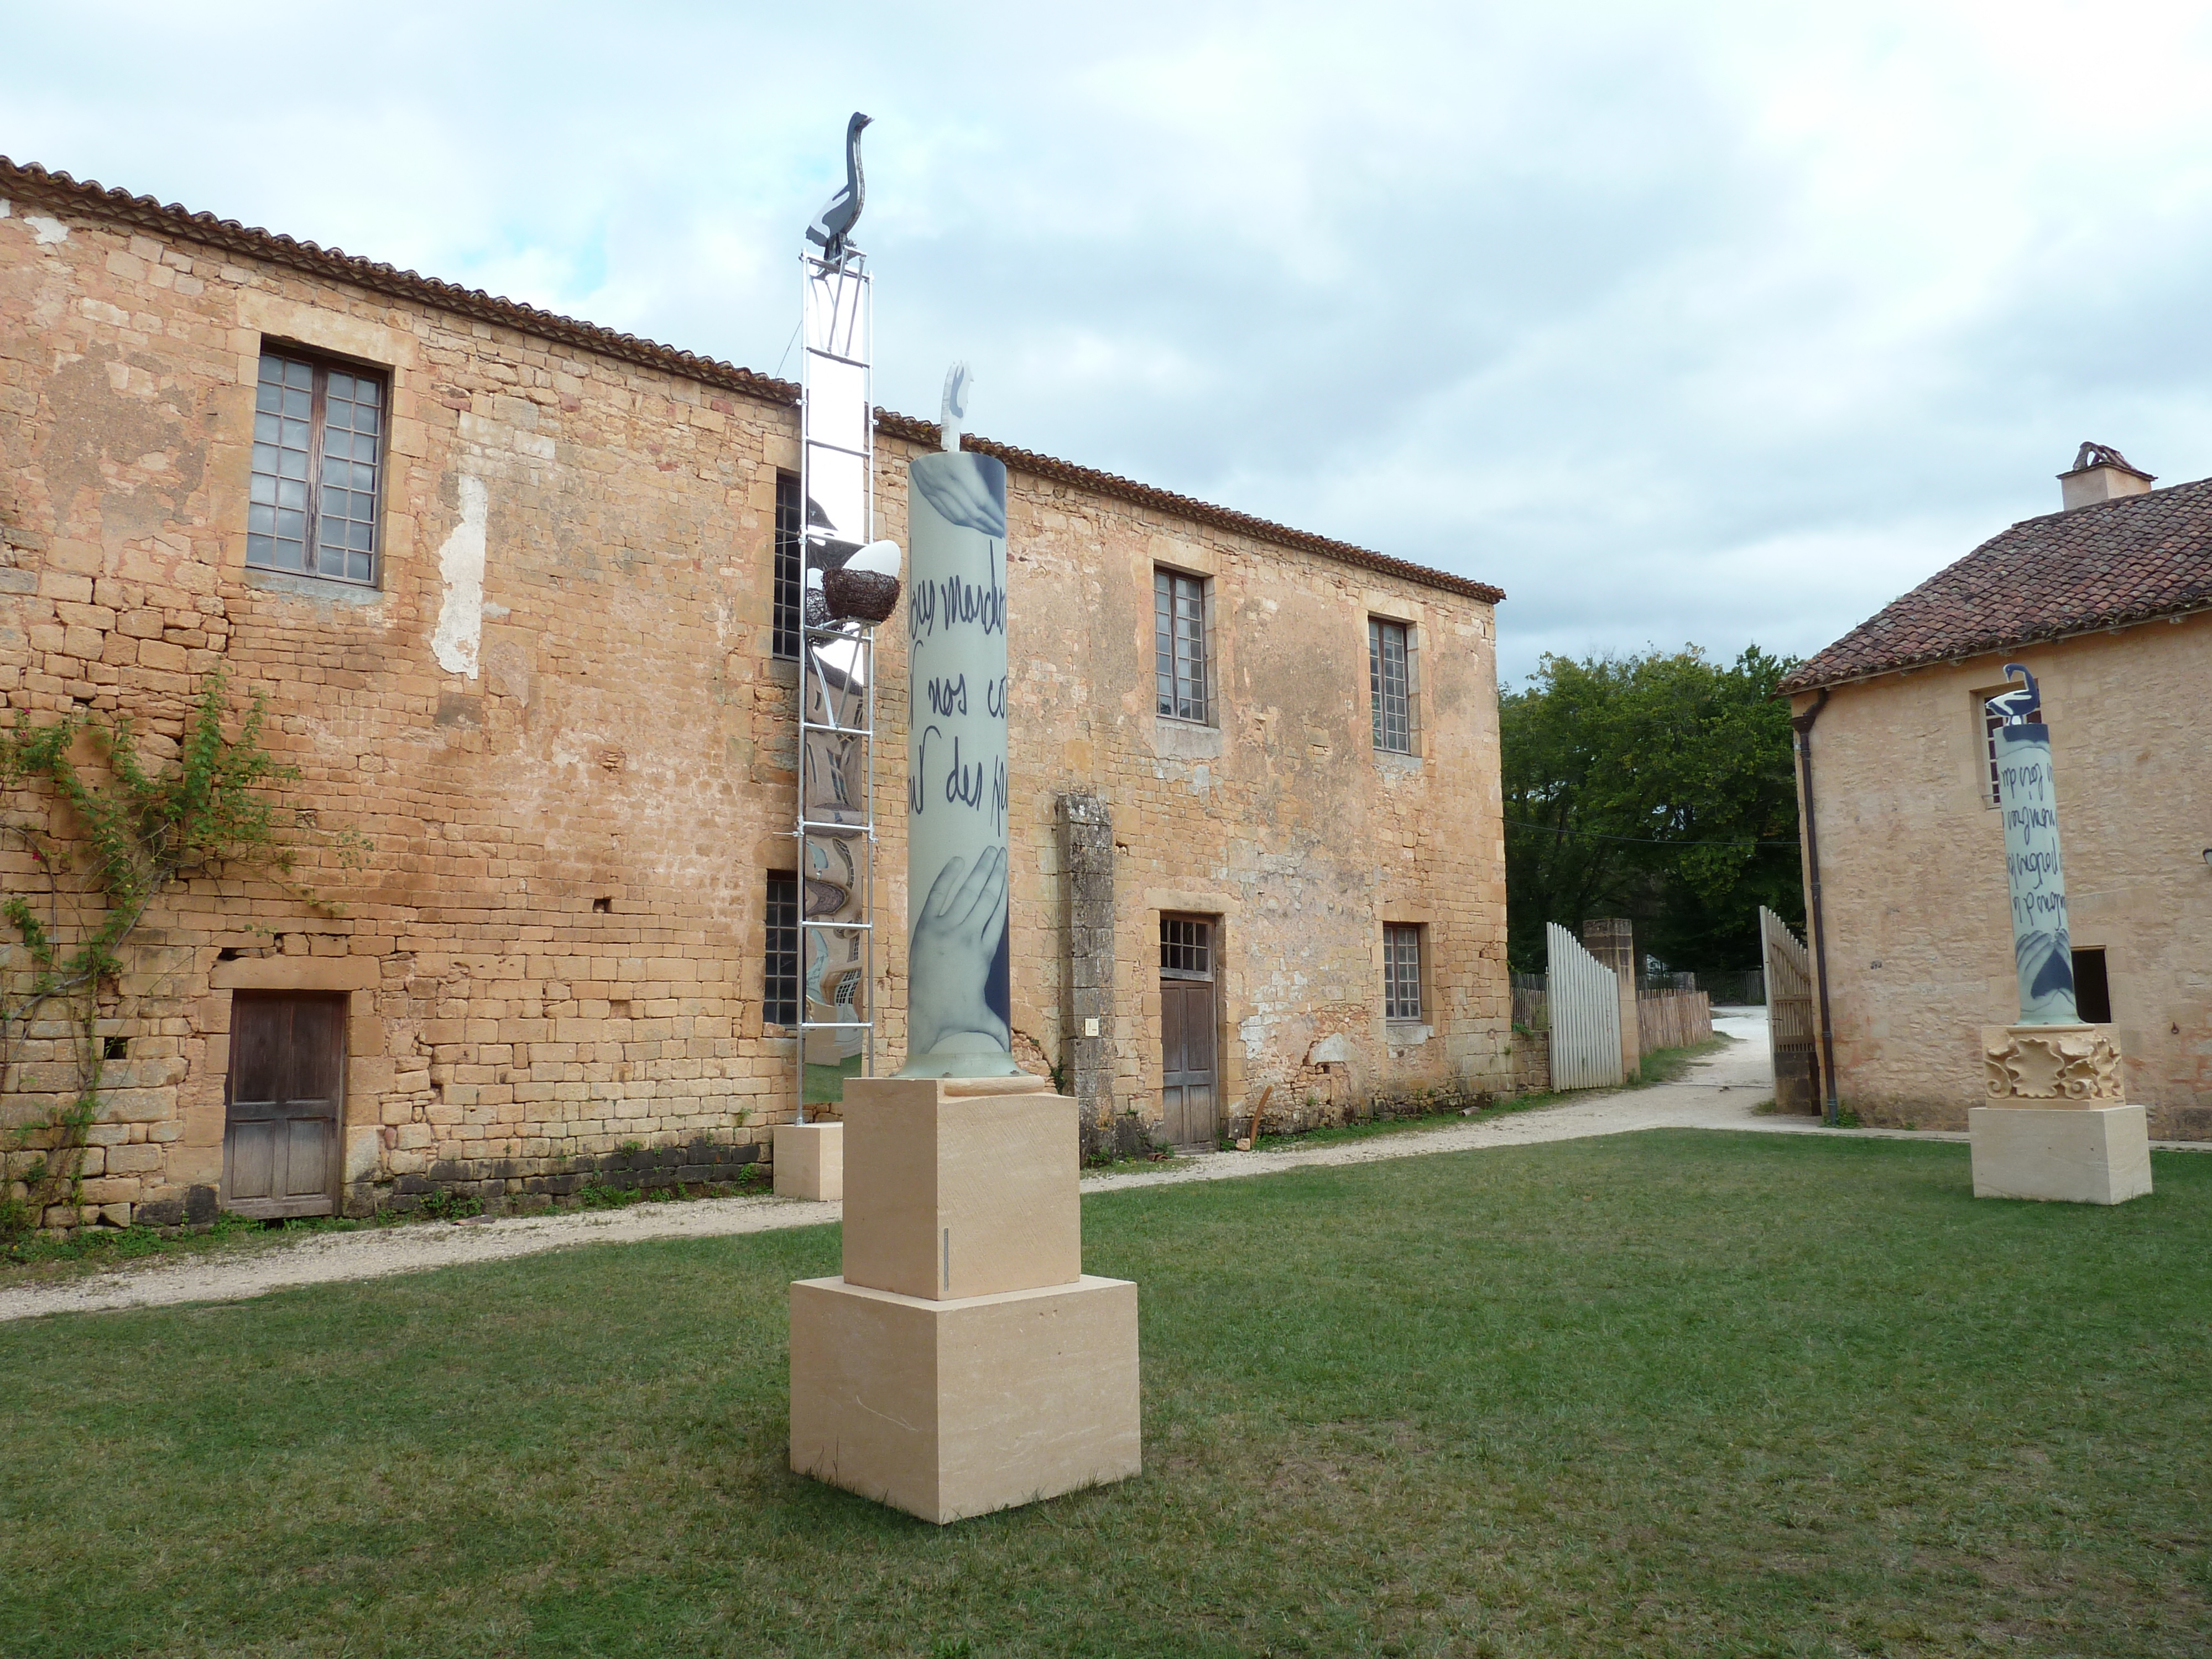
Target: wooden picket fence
{"type": "Point", "coordinates": [1673, 1019]}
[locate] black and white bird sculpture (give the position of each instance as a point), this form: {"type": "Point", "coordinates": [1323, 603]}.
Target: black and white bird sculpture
{"type": "Point", "coordinates": [834, 224]}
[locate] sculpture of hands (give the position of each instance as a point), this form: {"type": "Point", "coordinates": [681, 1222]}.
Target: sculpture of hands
{"type": "Point", "coordinates": [962, 494]}
{"type": "Point", "coordinates": [954, 940]}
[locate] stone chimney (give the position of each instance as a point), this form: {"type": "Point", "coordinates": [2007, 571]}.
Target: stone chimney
{"type": "Point", "coordinates": [2100, 473]}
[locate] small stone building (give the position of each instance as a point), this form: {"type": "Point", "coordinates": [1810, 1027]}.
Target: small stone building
{"type": "Point", "coordinates": [2109, 602]}
{"type": "Point", "coordinates": [521, 594]}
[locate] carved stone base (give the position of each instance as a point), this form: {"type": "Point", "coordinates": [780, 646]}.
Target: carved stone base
{"type": "Point", "coordinates": [2062, 1154]}
{"type": "Point", "coordinates": [2052, 1066]}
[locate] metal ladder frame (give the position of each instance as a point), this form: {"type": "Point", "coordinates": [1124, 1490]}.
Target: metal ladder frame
{"type": "Point", "coordinates": [855, 643]}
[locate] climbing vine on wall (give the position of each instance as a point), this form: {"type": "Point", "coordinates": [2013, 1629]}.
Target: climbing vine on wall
{"type": "Point", "coordinates": [100, 852]}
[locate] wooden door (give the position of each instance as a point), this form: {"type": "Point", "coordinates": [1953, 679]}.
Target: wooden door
{"type": "Point", "coordinates": [285, 1103]}
{"type": "Point", "coordinates": [1186, 1033]}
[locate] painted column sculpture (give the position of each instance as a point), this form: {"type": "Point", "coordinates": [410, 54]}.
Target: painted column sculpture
{"type": "Point", "coordinates": [962, 1361]}
{"type": "Point", "coordinates": [959, 1008]}
{"type": "Point", "coordinates": [2056, 1124]}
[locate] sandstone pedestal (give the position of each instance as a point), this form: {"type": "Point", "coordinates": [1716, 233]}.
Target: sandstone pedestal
{"type": "Point", "coordinates": [810, 1161]}
{"type": "Point", "coordinates": [2096, 1155]}
{"type": "Point", "coordinates": [963, 1363]}
{"type": "Point", "coordinates": [2057, 1128]}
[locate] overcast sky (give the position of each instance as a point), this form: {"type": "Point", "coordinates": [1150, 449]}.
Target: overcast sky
{"type": "Point", "coordinates": [1715, 323]}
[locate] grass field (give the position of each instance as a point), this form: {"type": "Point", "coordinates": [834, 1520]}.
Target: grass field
{"type": "Point", "coordinates": [1667, 1394]}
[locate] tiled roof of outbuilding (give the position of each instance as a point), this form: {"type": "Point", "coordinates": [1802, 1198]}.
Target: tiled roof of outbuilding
{"type": "Point", "coordinates": [27, 178]}
{"type": "Point", "coordinates": [2120, 562]}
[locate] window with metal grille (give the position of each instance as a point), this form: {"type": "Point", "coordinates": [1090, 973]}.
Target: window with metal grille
{"type": "Point", "coordinates": [318, 452]}
{"type": "Point", "coordinates": [779, 996]}
{"type": "Point", "coordinates": [1179, 643]}
{"type": "Point", "coordinates": [789, 579]}
{"type": "Point", "coordinates": [1401, 972]}
{"type": "Point", "coordinates": [1389, 684]}
{"type": "Point", "coordinates": [1186, 948]}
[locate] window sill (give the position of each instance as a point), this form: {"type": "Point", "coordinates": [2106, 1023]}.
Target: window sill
{"type": "Point", "coordinates": [1397, 760]}
{"type": "Point", "coordinates": [325, 590]}
{"type": "Point", "coordinates": [1179, 740]}
{"type": "Point", "coordinates": [1406, 1033]}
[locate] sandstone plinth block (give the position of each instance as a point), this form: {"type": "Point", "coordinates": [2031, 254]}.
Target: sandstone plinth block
{"type": "Point", "coordinates": [2064, 1154]}
{"type": "Point", "coordinates": [947, 1409]}
{"type": "Point", "coordinates": [953, 1193]}
{"type": "Point", "coordinates": [810, 1161]}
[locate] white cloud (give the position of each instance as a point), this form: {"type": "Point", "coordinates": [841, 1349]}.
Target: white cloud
{"type": "Point", "coordinates": [1704, 323]}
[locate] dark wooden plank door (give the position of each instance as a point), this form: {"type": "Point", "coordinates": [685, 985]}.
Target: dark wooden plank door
{"type": "Point", "coordinates": [285, 1104]}
{"type": "Point", "coordinates": [1187, 1074]}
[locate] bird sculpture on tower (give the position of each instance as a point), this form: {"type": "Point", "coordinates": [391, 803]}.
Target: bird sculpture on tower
{"type": "Point", "coordinates": [833, 225]}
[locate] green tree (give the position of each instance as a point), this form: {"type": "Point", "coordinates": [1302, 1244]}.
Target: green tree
{"type": "Point", "coordinates": [1657, 787]}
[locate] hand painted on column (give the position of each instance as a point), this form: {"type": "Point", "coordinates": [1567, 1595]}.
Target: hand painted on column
{"type": "Point", "coordinates": [958, 1002]}
{"type": "Point", "coordinates": [955, 940]}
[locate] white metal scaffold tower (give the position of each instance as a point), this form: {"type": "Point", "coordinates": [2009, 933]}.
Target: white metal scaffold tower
{"type": "Point", "coordinates": [837, 822]}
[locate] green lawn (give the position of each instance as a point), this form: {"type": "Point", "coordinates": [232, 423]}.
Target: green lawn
{"type": "Point", "coordinates": [1665, 1393]}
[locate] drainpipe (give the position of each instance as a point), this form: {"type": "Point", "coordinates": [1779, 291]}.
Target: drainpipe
{"type": "Point", "coordinates": [1802, 726]}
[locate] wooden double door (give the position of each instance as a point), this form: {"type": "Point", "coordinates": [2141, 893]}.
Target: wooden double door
{"type": "Point", "coordinates": [1189, 1085]}
{"type": "Point", "coordinates": [284, 1103]}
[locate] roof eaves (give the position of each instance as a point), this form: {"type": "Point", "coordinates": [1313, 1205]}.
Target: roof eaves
{"type": "Point", "coordinates": [1184, 506]}
{"type": "Point", "coordinates": [88, 196]}
{"type": "Point", "coordinates": [1791, 684]}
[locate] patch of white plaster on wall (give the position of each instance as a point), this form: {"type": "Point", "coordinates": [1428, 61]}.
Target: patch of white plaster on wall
{"type": "Point", "coordinates": [461, 564]}
{"type": "Point", "coordinates": [44, 231]}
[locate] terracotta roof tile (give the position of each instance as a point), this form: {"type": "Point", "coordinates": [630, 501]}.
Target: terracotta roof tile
{"type": "Point", "coordinates": [27, 178]}
{"type": "Point", "coordinates": [2120, 562]}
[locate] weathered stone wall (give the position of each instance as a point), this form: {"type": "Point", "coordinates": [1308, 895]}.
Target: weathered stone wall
{"type": "Point", "coordinates": [1532, 1062]}
{"type": "Point", "coordinates": [1919, 934]}
{"type": "Point", "coordinates": [553, 950]}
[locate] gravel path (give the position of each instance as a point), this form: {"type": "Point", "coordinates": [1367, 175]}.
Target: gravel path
{"type": "Point", "coordinates": [1719, 1093]}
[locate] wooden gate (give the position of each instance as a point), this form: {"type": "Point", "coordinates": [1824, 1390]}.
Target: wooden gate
{"type": "Point", "coordinates": [1789, 1015]}
{"type": "Point", "coordinates": [1584, 1003]}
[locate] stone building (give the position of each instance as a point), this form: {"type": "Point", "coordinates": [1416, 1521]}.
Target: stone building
{"type": "Point", "coordinates": [520, 592]}
{"type": "Point", "coordinates": [2109, 602]}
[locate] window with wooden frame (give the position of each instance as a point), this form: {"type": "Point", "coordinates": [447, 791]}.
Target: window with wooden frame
{"type": "Point", "coordinates": [789, 580]}
{"type": "Point", "coordinates": [780, 987]}
{"type": "Point", "coordinates": [319, 431]}
{"type": "Point", "coordinates": [1402, 971]}
{"type": "Point", "coordinates": [1179, 644]}
{"type": "Point", "coordinates": [1390, 684]}
{"type": "Point", "coordinates": [1186, 947]}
